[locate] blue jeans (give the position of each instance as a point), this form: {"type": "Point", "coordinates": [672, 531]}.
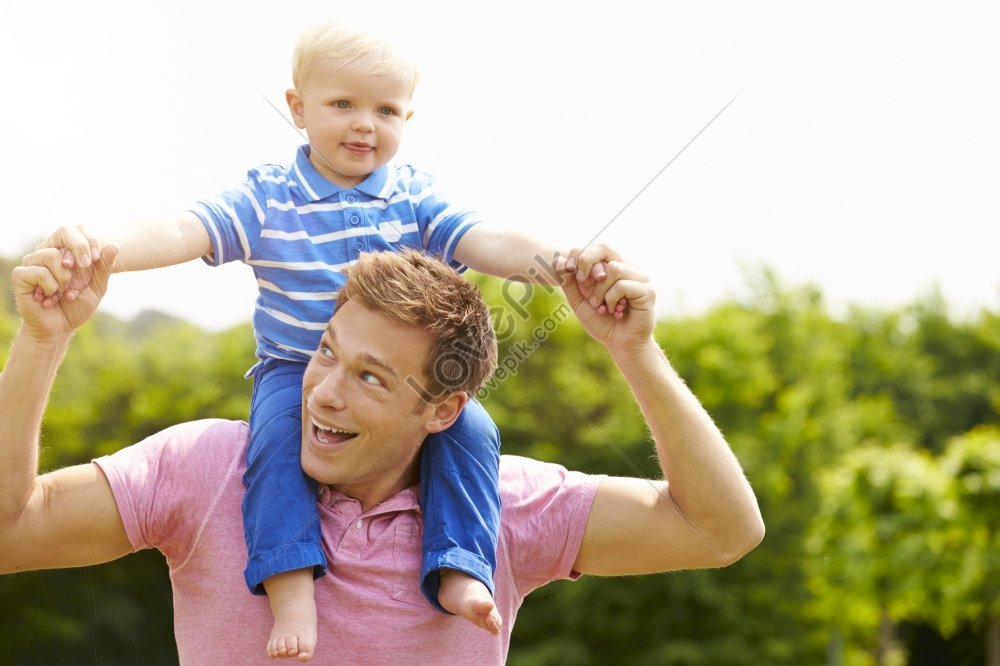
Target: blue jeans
{"type": "Point", "coordinates": [459, 493]}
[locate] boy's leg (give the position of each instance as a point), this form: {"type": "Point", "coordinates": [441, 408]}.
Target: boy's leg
{"type": "Point", "coordinates": [280, 518]}
{"type": "Point", "coordinates": [293, 605]}
{"type": "Point", "coordinates": [460, 500]}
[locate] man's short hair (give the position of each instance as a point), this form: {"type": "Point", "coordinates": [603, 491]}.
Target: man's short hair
{"type": "Point", "coordinates": [416, 289]}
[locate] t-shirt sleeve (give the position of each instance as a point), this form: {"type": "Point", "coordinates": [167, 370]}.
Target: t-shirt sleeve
{"type": "Point", "coordinates": [441, 222]}
{"type": "Point", "coordinates": [545, 513]}
{"type": "Point", "coordinates": [234, 219]}
{"type": "Point", "coordinates": [166, 485]}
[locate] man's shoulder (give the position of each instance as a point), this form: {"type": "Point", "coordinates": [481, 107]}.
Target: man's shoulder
{"type": "Point", "coordinates": [527, 482]}
{"type": "Point", "coordinates": [514, 468]}
{"type": "Point", "coordinates": [224, 433]}
{"type": "Point", "coordinates": [206, 444]}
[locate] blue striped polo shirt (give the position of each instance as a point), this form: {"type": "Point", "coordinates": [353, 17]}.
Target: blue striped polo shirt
{"type": "Point", "coordinates": [298, 231]}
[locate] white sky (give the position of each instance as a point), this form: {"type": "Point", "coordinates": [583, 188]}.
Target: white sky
{"type": "Point", "coordinates": [862, 154]}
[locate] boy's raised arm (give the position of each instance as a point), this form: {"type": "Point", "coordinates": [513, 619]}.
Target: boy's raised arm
{"type": "Point", "coordinates": [68, 517]}
{"type": "Point", "coordinates": [513, 255]}
{"type": "Point", "coordinates": [145, 246]}
{"type": "Point", "coordinates": [507, 254]}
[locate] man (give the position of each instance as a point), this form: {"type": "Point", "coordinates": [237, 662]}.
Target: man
{"type": "Point", "coordinates": [180, 490]}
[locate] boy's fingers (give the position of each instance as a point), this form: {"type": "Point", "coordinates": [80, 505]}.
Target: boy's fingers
{"type": "Point", "coordinates": [95, 246]}
{"type": "Point", "coordinates": [593, 255]}
{"type": "Point", "coordinates": [572, 260]}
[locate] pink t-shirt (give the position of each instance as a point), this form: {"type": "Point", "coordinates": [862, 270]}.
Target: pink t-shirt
{"type": "Point", "coordinates": [180, 491]}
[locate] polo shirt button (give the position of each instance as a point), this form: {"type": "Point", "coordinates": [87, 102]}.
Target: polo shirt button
{"type": "Point", "coordinates": [360, 247]}
{"type": "Point", "coordinates": [355, 219]}
{"type": "Point", "coordinates": [351, 198]}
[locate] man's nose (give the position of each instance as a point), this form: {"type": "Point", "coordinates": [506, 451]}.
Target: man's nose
{"type": "Point", "coordinates": [330, 392]}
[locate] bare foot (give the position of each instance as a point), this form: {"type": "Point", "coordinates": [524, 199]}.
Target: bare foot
{"type": "Point", "coordinates": [293, 605]}
{"type": "Point", "coordinates": [463, 595]}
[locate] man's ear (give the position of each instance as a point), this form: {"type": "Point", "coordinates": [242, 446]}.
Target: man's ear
{"type": "Point", "coordinates": [295, 107]}
{"type": "Point", "coordinates": [446, 412]}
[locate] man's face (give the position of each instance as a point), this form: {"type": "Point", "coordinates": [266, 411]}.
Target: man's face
{"type": "Point", "coordinates": [354, 119]}
{"type": "Point", "coordinates": [362, 424]}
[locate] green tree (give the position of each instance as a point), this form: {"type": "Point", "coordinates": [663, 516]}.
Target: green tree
{"type": "Point", "coordinates": [876, 536]}
{"type": "Point", "coordinates": [970, 590]}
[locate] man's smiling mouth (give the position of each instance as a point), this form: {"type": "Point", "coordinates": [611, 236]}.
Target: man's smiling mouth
{"type": "Point", "coordinates": [328, 435]}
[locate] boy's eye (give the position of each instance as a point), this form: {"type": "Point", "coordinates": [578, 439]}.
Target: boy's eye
{"type": "Point", "coordinates": [342, 104]}
{"type": "Point", "coordinates": [387, 111]}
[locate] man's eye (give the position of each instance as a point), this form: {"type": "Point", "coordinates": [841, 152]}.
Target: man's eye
{"type": "Point", "coordinates": [369, 378]}
{"type": "Point", "coordinates": [326, 352]}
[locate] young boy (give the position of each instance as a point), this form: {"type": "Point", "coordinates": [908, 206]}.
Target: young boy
{"type": "Point", "coordinates": [297, 226]}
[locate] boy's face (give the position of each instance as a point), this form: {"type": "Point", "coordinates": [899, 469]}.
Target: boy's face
{"type": "Point", "coordinates": [354, 120]}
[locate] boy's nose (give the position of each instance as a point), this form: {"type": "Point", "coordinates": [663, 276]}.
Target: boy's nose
{"type": "Point", "coordinates": [363, 122]}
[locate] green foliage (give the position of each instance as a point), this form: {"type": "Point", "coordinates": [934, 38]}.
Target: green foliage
{"type": "Point", "coordinates": [871, 440]}
{"type": "Point", "coordinates": [970, 593]}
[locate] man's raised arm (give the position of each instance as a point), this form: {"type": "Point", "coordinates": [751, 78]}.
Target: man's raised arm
{"type": "Point", "coordinates": [68, 517]}
{"type": "Point", "coordinates": [703, 513]}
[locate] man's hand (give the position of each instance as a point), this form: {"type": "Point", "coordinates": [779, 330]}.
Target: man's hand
{"type": "Point", "coordinates": [79, 249]}
{"type": "Point", "coordinates": [631, 329]}
{"type": "Point", "coordinates": [45, 272]}
{"type": "Point", "coordinates": [589, 264]}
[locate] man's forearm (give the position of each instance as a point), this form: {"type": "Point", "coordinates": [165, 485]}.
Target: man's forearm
{"type": "Point", "coordinates": [706, 482]}
{"type": "Point", "coordinates": [24, 389]}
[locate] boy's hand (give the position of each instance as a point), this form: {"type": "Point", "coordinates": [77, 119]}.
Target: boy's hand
{"type": "Point", "coordinates": [79, 248]}
{"type": "Point", "coordinates": [590, 266]}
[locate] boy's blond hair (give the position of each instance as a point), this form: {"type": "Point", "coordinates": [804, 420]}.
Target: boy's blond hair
{"type": "Point", "coordinates": [350, 46]}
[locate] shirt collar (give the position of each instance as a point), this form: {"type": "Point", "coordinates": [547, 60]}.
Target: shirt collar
{"type": "Point", "coordinates": [407, 499]}
{"type": "Point", "coordinates": [379, 184]}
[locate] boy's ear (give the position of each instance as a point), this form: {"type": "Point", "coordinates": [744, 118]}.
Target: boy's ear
{"type": "Point", "coordinates": [409, 114]}
{"type": "Point", "coordinates": [295, 107]}
{"type": "Point", "coordinates": [446, 412]}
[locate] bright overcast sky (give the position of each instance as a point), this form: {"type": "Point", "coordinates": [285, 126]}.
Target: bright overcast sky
{"type": "Point", "coordinates": [862, 152]}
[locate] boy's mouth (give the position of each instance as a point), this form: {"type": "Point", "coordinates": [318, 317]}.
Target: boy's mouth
{"type": "Point", "coordinates": [359, 149]}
